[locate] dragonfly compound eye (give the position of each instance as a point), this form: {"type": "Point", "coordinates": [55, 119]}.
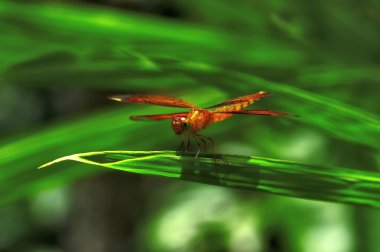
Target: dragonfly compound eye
{"type": "Point", "coordinates": [179, 123]}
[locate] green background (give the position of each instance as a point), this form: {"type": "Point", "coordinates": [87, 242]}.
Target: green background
{"type": "Point", "coordinates": [59, 60]}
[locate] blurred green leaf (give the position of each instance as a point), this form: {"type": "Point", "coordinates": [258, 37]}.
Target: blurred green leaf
{"type": "Point", "coordinates": [146, 54]}
{"type": "Point", "coordinates": [339, 119]}
{"type": "Point", "coordinates": [59, 45]}
{"type": "Point", "coordinates": [334, 76]}
{"type": "Point", "coordinates": [104, 129]}
{"type": "Point", "coordinates": [271, 175]}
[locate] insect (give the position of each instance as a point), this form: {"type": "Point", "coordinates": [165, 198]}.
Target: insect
{"type": "Point", "coordinates": [190, 123]}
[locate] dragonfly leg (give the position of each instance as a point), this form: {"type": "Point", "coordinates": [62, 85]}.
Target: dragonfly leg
{"type": "Point", "coordinates": [182, 146]}
{"type": "Point", "coordinates": [188, 141]}
{"type": "Point", "coordinates": [198, 143]}
{"type": "Point", "coordinates": [203, 141]}
{"type": "Point", "coordinates": [211, 141]}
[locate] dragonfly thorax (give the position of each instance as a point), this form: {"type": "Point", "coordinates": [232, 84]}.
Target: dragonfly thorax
{"type": "Point", "coordinates": [179, 124]}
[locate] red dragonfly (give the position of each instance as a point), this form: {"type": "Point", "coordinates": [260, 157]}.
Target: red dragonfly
{"type": "Point", "coordinates": [190, 123]}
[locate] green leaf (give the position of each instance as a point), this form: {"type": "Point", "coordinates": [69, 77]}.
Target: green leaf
{"type": "Point", "coordinates": [253, 173]}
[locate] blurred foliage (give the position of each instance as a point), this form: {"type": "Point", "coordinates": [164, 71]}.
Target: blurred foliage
{"type": "Point", "coordinates": [321, 59]}
{"type": "Point", "coordinates": [64, 138]}
{"type": "Point", "coordinates": [138, 48]}
{"type": "Point", "coordinates": [247, 224]}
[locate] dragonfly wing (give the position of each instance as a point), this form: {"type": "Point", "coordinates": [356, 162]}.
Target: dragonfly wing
{"type": "Point", "coordinates": [156, 117]}
{"type": "Point", "coordinates": [243, 100]}
{"type": "Point", "coordinates": [160, 100]}
{"type": "Point", "coordinates": [254, 112]}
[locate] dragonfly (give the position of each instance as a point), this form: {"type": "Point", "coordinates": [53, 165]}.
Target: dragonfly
{"type": "Point", "coordinates": [189, 124]}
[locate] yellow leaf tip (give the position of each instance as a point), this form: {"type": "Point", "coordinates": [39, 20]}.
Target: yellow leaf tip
{"type": "Point", "coordinates": [114, 98]}
{"type": "Point", "coordinates": [45, 165]}
{"type": "Point", "coordinates": [54, 161]}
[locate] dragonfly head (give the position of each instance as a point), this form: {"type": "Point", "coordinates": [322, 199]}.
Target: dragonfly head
{"type": "Point", "coordinates": [179, 124]}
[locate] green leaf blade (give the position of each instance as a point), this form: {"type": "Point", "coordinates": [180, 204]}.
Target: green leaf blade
{"type": "Point", "coordinates": [243, 172]}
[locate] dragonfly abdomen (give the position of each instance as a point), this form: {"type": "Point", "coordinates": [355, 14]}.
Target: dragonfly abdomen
{"type": "Point", "coordinates": [217, 117]}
